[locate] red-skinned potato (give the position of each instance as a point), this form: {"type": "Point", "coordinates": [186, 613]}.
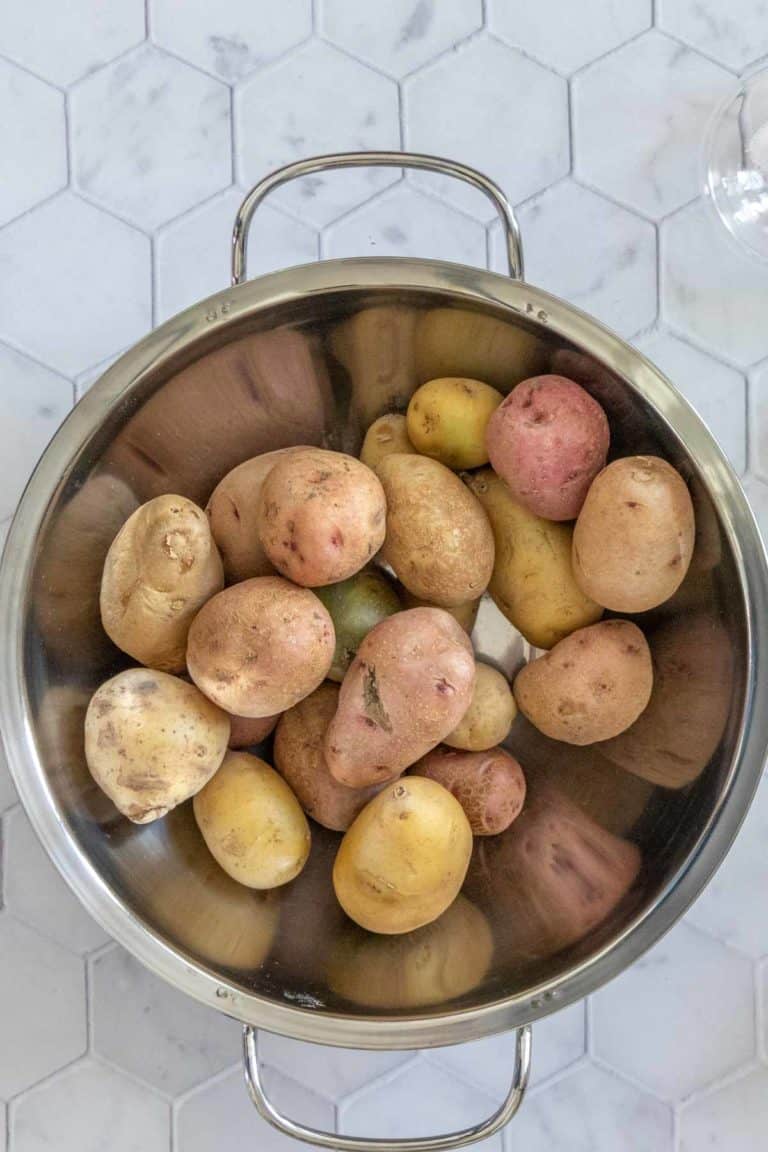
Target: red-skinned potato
{"type": "Point", "coordinates": [548, 440]}
{"type": "Point", "coordinates": [490, 786]}
{"type": "Point", "coordinates": [407, 688]}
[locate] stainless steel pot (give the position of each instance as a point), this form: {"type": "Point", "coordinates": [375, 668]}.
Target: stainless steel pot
{"type": "Point", "coordinates": [314, 354]}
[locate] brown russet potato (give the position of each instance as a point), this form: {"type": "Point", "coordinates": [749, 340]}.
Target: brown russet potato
{"type": "Point", "coordinates": [259, 647]}
{"type": "Point", "coordinates": [447, 420]}
{"type": "Point", "coordinates": [490, 714]}
{"type": "Point", "coordinates": [489, 785]}
{"type": "Point", "coordinates": [245, 730]}
{"type": "Point", "coordinates": [386, 436]}
{"type": "Point", "coordinates": [634, 537]}
{"type": "Point", "coordinates": [590, 686]}
{"type": "Point", "coordinates": [407, 688]}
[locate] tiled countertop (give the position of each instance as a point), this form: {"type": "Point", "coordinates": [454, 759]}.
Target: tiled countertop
{"type": "Point", "coordinates": [127, 137]}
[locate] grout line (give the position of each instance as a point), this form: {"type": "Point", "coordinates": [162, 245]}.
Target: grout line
{"type": "Point", "coordinates": [153, 281]}
{"type": "Point", "coordinates": [8, 343]}
{"type": "Point", "coordinates": [401, 116]}
{"type": "Point", "coordinates": [62, 191]}
{"type": "Point", "coordinates": [80, 80]}
{"type": "Point", "coordinates": [582, 68]}
{"type": "Point", "coordinates": [698, 52]}
{"type": "Point", "coordinates": [571, 134]}
{"type": "Point", "coordinates": [68, 148]}
{"type": "Point", "coordinates": [147, 23]}
{"type": "Point", "coordinates": [589, 1029]}
{"type": "Point", "coordinates": [31, 72]}
{"type": "Point", "coordinates": [232, 136]}
{"type": "Point", "coordinates": [657, 258]}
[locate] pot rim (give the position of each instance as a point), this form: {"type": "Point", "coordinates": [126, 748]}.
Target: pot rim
{"type": "Point", "coordinates": [457, 283]}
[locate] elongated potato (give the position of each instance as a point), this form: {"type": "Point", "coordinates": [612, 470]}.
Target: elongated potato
{"type": "Point", "coordinates": [465, 614]}
{"type": "Point", "coordinates": [245, 731]}
{"type": "Point", "coordinates": [252, 823]}
{"type": "Point", "coordinates": [490, 786]}
{"type": "Point", "coordinates": [356, 605]}
{"type": "Point", "coordinates": [386, 436]}
{"type": "Point", "coordinates": [259, 647]}
{"type": "Point", "coordinates": [533, 582]}
{"type": "Point", "coordinates": [404, 859]}
{"type": "Point", "coordinates": [152, 741]}
{"type": "Point", "coordinates": [161, 568]}
{"type": "Point", "coordinates": [448, 417]}
{"type": "Point", "coordinates": [591, 686]}
{"type": "Point", "coordinates": [407, 688]}
{"type": "Point", "coordinates": [490, 714]}
{"type": "Point", "coordinates": [438, 540]}
{"type": "Point", "coordinates": [633, 540]}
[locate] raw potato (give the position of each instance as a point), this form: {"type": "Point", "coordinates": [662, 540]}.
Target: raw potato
{"type": "Point", "coordinates": [634, 537]}
{"type": "Point", "coordinates": [245, 731]}
{"type": "Point", "coordinates": [404, 859]}
{"type": "Point", "coordinates": [490, 714]}
{"type": "Point", "coordinates": [436, 963]}
{"type": "Point", "coordinates": [465, 342]}
{"type": "Point", "coordinates": [490, 786]}
{"type": "Point", "coordinates": [161, 568]}
{"type": "Point", "coordinates": [322, 516]}
{"type": "Point", "coordinates": [407, 688]}
{"type": "Point", "coordinates": [447, 419]}
{"type": "Point", "coordinates": [152, 741]}
{"type": "Point", "coordinates": [591, 686]}
{"type": "Point", "coordinates": [533, 582]}
{"type": "Point", "coordinates": [261, 646]}
{"type": "Point", "coordinates": [355, 606]}
{"type": "Point", "coordinates": [438, 541]}
{"type": "Point", "coordinates": [465, 614]}
{"type": "Point", "coordinates": [232, 511]}
{"type": "Point", "coordinates": [548, 441]}
{"type": "Point", "coordinates": [252, 823]}
{"type": "Point", "coordinates": [386, 436]}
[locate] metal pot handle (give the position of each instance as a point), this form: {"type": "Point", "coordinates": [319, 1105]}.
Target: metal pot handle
{"type": "Point", "coordinates": [375, 160]}
{"type": "Point", "coordinates": [443, 1143]}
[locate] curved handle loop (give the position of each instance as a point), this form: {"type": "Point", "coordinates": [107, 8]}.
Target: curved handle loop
{"type": "Point", "coordinates": [426, 163]}
{"type": "Point", "coordinates": [442, 1143]}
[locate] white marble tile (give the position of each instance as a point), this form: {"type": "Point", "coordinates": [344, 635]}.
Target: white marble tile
{"type": "Point", "coordinates": [90, 1108]}
{"type": "Point", "coordinates": [405, 222]}
{"type": "Point", "coordinates": [469, 106]}
{"type": "Point", "coordinates": [35, 892]}
{"type": "Point", "coordinates": [193, 254]}
{"type": "Point", "coordinates": [757, 494]}
{"type": "Point", "coordinates": [735, 32]}
{"type": "Point", "coordinates": [232, 37]}
{"type": "Point", "coordinates": [33, 402]}
{"type": "Point", "coordinates": [86, 379]}
{"type": "Point", "coordinates": [142, 1024]}
{"type": "Point", "coordinates": [591, 1110]}
{"type": "Point", "coordinates": [710, 290]}
{"type": "Point", "coordinates": [332, 1072]}
{"type": "Point", "coordinates": [567, 36]}
{"type": "Point", "coordinates": [220, 1116]}
{"type": "Point", "coordinates": [639, 117]}
{"type": "Point", "coordinates": [731, 1119]}
{"type": "Point", "coordinates": [558, 1041]}
{"type": "Point", "coordinates": [758, 420]}
{"type": "Point", "coordinates": [645, 1020]}
{"type": "Point", "coordinates": [32, 141]}
{"type": "Point", "coordinates": [598, 256]}
{"type": "Point", "coordinates": [63, 47]}
{"type": "Point", "coordinates": [3, 1128]}
{"type": "Point", "coordinates": [422, 1099]}
{"type": "Point", "coordinates": [404, 34]}
{"type": "Point", "coordinates": [42, 1006]}
{"type": "Point", "coordinates": [717, 392]}
{"type": "Point", "coordinates": [8, 795]}
{"type": "Point", "coordinates": [316, 100]}
{"type": "Point", "coordinates": [70, 321]}
{"type": "Point", "coordinates": [150, 137]}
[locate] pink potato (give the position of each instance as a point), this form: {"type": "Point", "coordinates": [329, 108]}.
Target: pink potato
{"type": "Point", "coordinates": [245, 731]}
{"type": "Point", "coordinates": [490, 786]}
{"type": "Point", "coordinates": [407, 688]}
{"type": "Point", "coordinates": [548, 440]}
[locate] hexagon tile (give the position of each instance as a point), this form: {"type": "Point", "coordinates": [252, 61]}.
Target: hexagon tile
{"type": "Point", "coordinates": [32, 141]}
{"type": "Point", "coordinates": [568, 36]}
{"type": "Point", "coordinates": [735, 33]}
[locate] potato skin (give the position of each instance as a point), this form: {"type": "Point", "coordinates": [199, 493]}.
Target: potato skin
{"type": "Point", "coordinates": [591, 686]}
{"type": "Point", "coordinates": [385, 437]}
{"type": "Point", "coordinates": [232, 512]}
{"type": "Point", "coordinates": [548, 441]}
{"type": "Point", "coordinates": [490, 786]}
{"type": "Point", "coordinates": [407, 688]}
{"type": "Point", "coordinates": [634, 537]}
{"type": "Point", "coordinates": [533, 582]}
{"type": "Point", "coordinates": [160, 569]}
{"type": "Point", "coordinates": [403, 861]}
{"type": "Point", "coordinates": [152, 741]}
{"type": "Point", "coordinates": [438, 540]}
{"type": "Point", "coordinates": [490, 714]}
{"type": "Point", "coordinates": [447, 419]}
{"type": "Point", "coordinates": [300, 759]}
{"type": "Point", "coordinates": [245, 731]}
{"type": "Point", "coordinates": [356, 605]}
{"type": "Point", "coordinates": [465, 614]}
{"type": "Point", "coordinates": [259, 647]}
{"type": "Point", "coordinates": [252, 823]}
{"type": "Point", "coordinates": [321, 516]}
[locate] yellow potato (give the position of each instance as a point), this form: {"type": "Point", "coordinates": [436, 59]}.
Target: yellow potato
{"type": "Point", "coordinates": [461, 342]}
{"type": "Point", "coordinates": [447, 419]}
{"type": "Point", "coordinates": [252, 823]}
{"type": "Point", "coordinates": [533, 582]}
{"type": "Point", "coordinates": [403, 861]}
{"type": "Point", "coordinates": [490, 714]}
{"type": "Point", "coordinates": [385, 437]}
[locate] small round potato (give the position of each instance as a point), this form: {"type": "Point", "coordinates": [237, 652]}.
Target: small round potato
{"type": "Point", "coordinates": [386, 436]}
{"type": "Point", "coordinates": [355, 606]}
{"type": "Point", "coordinates": [245, 731]}
{"type": "Point", "coordinates": [634, 537]}
{"type": "Point", "coordinates": [490, 714]}
{"type": "Point", "coordinates": [161, 568]}
{"type": "Point", "coordinates": [464, 614]}
{"type": "Point", "coordinates": [252, 823]}
{"type": "Point", "coordinates": [322, 516]}
{"type": "Point", "coordinates": [152, 741]}
{"type": "Point", "coordinates": [447, 419]}
{"type": "Point", "coordinates": [404, 859]}
{"type": "Point", "coordinates": [261, 646]}
{"type": "Point", "coordinates": [490, 786]}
